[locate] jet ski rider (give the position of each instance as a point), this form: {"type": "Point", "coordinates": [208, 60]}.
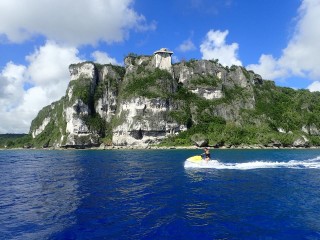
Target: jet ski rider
{"type": "Point", "coordinates": [206, 154]}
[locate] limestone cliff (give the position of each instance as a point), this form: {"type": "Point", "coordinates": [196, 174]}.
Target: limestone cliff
{"type": "Point", "coordinates": [149, 100]}
{"type": "Point", "coordinates": [79, 119]}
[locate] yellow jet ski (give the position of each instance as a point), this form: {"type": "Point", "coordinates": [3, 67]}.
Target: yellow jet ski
{"type": "Point", "coordinates": [195, 159]}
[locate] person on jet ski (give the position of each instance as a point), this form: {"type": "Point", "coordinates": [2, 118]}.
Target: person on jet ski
{"type": "Point", "coordinates": [206, 154]}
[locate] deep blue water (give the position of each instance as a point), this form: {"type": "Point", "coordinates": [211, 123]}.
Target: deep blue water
{"type": "Point", "coordinates": [252, 194]}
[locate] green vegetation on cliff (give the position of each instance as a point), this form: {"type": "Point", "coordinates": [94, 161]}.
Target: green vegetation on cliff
{"type": "Point", "coordinates": [150, 84]}
{"type": "Point", "coordinates": [54, 130]}
{"type": "Point", "coordinates": [246, 110]}
{"type": "Point", "coordinates": [81, 89]}
{"type": "Point", "coordinates": [275, 108]}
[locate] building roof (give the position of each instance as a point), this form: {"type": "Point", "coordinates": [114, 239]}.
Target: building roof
{"type": "Point", "coordinates": [163, 50]}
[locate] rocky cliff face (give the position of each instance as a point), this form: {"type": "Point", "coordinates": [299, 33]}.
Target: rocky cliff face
{"type": "Point", "coordinates": [140, 104]}
{"type": "Point", "coordinates": [79, 118]}
{"type": "Point", "coordinates": [144, 104]}
{"type": "Point", "coordinates": [211, 81]}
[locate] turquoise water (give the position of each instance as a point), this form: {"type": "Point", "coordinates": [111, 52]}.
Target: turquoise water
{"type": "Point", "coordinates": [152, 194]}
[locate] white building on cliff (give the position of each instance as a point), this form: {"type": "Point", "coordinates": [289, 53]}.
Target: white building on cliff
{"type": "Point", "coordinates": [162, 59]}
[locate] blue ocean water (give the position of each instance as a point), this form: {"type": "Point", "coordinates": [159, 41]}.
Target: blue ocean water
{"type": "Point", "coordinates": [151, 194]}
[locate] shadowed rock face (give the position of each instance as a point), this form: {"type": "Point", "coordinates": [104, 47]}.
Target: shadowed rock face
{"type": "Point", "coordinates": [140, 104]}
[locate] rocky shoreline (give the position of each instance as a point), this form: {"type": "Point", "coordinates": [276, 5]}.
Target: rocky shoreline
{"type": "Point", "coordinates": [300, 143]}
{"type": "Point", "coordinates": [104, 147]}
{"type": "Point", "coordinates": [195, 147]}
{"type": "Point", "coordinates": [164, 148]}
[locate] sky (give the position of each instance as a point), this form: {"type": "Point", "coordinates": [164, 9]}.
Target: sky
{"type": "Point", "coordinates": [39, 39]}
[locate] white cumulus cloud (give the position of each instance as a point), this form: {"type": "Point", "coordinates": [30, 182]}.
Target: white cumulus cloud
{"type": "Point", "coordinates": [48, 68]}
{"type": "Point", "coordinates": [214, 46]}
{"type": "Point", "coordinates": [268, 68]}
{"type": "Point", "coordinates": [299, 58]}
{"type": "Point", "coordinates": [68, 21]}
{"type": "Point", "coordinates": [103, 58]}
{"type": "Point", "coordinates": [11, 85]}
{"type": "Point", "coordinates": [186, 46]}
{"type": "Point", "coordinates": [315, 86]}
{"type": "Point", "coordinates": [47, 75]}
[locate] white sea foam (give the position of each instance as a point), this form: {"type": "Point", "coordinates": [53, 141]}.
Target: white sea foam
{"type": "Point", "coordinates": [297, 164]}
